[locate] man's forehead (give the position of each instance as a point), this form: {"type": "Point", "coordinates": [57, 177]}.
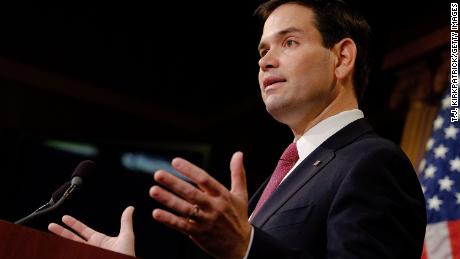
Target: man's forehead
{"type": "Point", "coordinates": [288, 16]}
{"type": "Point", "coordinates": [291, 11]}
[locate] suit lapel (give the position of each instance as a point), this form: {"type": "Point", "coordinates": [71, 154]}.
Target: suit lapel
{"type": "Point", "coordinates": [306, 170]}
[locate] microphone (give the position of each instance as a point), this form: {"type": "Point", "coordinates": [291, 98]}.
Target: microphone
{"type": "Point", "coordinates": [58, 197]}
{"type": "Point", "coordinates": [58, 193]}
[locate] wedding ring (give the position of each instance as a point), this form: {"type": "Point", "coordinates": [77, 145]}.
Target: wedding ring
{"type": "Point", "coordinates": [194, 213]}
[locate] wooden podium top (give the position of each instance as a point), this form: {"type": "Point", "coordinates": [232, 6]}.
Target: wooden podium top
{"type": "Point", "coordinates": [23, 242]}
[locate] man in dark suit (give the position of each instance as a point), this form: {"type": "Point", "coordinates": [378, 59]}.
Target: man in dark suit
{"type": "Point", "coordinates": [339, 190]}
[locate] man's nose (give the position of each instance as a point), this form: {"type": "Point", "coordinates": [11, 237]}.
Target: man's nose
{"type": "Point", "coordinates": [269, 60]}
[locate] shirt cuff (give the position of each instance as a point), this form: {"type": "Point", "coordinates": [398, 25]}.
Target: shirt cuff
{"type": "Point", "coordinates": [250, 243]}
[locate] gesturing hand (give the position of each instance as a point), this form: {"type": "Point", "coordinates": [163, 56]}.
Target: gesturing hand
{"type": "Point", "coordinates": [212, 216]}
{"type": "Point", "coordinates": [123, 243]}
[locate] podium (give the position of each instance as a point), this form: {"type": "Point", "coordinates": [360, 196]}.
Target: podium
{"type": "Point", "coordinates": [23, 243]}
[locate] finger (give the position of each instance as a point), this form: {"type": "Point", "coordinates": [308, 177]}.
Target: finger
{"type": "Point", "coordinates": [181, 187]}
{"type": "Point", "coordinates": [199, 176]}
{"type": "Point", "coordinates": [65, 233]}
{"type": "Point", "coordinates": [126, 224]}
{"type": "Point", "coordinates": [173, 221]}
{"type": "Point", "coordinates": [238, 175]}
{"type": "Point", "coordinates": [172, 201]}
{"type": "Point", "coordinates": [83, 230]}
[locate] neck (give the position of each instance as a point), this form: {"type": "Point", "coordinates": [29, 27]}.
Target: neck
{"type": "Point", "coordinates": [343, 102]}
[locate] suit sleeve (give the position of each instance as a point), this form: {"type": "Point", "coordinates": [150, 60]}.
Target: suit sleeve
{"type": "Point", "coordinates": [377, 211]}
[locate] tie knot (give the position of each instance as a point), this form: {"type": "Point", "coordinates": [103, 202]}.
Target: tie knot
{"type": "Point", "coordinates": [290, 154]}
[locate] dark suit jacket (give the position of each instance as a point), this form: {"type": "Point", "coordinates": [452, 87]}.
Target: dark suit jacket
{"type": "Point", "coordinates": [363, 200]}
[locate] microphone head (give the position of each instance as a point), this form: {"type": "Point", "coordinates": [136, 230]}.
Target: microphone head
{"type": "Point", "coordinates": [82, 171]}
{"type": "Point", "coordinates": [59, 192]}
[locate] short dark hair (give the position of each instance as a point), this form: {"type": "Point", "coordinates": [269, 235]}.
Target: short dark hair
{"type": "Point", "coordinates": [335, 20]}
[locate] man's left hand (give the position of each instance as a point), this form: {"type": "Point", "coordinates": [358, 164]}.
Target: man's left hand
{"type": "Point", "coordinates": [214, 217]}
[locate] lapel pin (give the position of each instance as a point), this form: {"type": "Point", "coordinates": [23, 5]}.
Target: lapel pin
{"type": "Point", "coordinates": [317, 163]}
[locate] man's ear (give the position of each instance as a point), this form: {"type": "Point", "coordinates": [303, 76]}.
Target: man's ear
{"type": "Point", "coordinates": [345, 51]}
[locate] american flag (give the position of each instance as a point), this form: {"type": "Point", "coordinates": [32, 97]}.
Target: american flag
{"type": "Point", "coordinates": [440, 179]}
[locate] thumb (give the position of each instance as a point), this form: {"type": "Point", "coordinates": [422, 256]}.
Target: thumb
{"type": "Point", "coordinates": [238, 175]}
{"type": "Point", "coordinates": [126, 225]}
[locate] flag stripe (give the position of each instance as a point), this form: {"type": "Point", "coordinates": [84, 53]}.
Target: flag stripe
{"type": "Point", "coordinates": [437, 241]}
{"type": "Point", "coordinates": [454, 235]}
{"type": "Point", "coordinates": [424, 252]}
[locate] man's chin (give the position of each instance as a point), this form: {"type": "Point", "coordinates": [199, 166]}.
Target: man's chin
{"type": "Point", "coordinates": [277, 110]}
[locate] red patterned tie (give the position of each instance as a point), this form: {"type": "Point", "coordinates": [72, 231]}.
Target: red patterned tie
{"type": "Point", "coordinates": [286, 162]}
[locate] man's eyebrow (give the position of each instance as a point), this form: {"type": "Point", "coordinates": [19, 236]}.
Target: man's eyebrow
{"type": "Point", "coordinates": [279, 34]}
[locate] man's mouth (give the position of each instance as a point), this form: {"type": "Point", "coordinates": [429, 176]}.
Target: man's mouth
{"type": "Point", "coordinates": [271, 80]}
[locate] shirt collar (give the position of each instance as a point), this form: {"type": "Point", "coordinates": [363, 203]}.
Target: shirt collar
{"type": "Point", "coordinates": [319, 133]}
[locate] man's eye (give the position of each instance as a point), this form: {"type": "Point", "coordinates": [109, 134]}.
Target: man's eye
{"type": "Point", "coordinates": [290, 43]}
{"type": "Point", "coordinates": [263, 52]}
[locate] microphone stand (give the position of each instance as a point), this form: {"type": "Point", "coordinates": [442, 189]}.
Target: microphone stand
{"type": "Point", "coordinates": [50, 206]}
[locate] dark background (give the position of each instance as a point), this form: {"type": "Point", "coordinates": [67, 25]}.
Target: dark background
{"type": "Point", "coordinates": [163, 78]}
